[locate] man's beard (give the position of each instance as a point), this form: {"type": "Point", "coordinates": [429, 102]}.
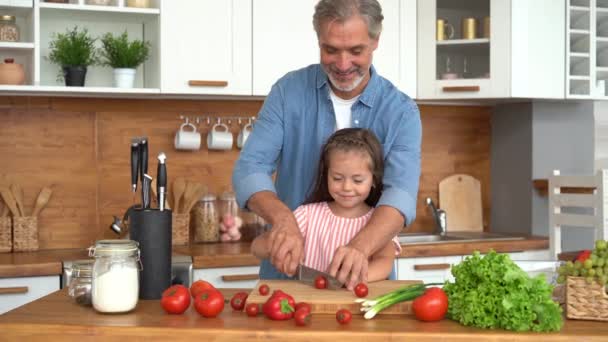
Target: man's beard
{"type": "Point", "coordinates": [346, 88]}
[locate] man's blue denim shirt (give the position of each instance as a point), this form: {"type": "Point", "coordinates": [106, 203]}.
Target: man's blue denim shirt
{"type": "Point", "coordinates": [296, 120]}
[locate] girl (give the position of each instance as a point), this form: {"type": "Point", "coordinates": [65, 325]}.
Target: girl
{"type": "Point", "coordinates": [347, 187]}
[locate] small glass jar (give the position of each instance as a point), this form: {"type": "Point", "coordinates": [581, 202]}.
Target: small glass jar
{"type": "Point", "coordinates": [115, 276]}
{"type": "Point", "coordinates": [207, 220]}
{"type": "Point", "coordinates": [229, 209]}
{"type": "Point", "coordinates": [9, 31]}
{"type": "Point", "coordinates": [80, 284]}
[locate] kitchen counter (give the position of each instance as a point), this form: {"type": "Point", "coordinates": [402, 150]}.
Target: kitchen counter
{"type": "Point", "coordinates": [49, 262]}
{"type": "Point", "coordinates": [56, 317]}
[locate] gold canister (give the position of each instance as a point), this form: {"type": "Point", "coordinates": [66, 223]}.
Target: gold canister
{"type": "Point", "coordinates": [444, 30]}
{"type": "Point", "coordinates": [486, 27]}
{"type": "Point", "coordinates": [468, 28]}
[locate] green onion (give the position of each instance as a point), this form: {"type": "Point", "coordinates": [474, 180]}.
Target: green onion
{"type": "Point", "coordinates": [409, 292]}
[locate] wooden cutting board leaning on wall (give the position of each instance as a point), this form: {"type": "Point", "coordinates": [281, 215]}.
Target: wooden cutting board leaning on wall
{"type": "Point", "coordinates": [327, 301]}
{"type": "Point", "coordinates": [460, 197]}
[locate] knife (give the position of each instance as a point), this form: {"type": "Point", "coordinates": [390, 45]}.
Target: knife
{"type": "Point", "coordinates": [134, 163]}
{"type": "Point", "coordinates": [308, 275]}
{"type": "Point", "coordinates": [161, 183]}
{"type": "Point", "coordinates": [145, 191]}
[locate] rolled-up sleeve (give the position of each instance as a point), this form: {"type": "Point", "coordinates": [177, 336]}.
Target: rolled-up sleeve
{"type": "Point", "coordinates": [258, 158]}
{"type": "Point", "coordinates": [402, 165]}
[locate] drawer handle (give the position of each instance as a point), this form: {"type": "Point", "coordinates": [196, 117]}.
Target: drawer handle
{"type": "Point", "coordinates": [240, 277]}
{"type": "Point", "coordinates": [201, 83]}
{"type": "Point", "coordinates": [429, 267]}
{"type": "Point", "coordinates": [13, 290]}
{"type": "Point", "coordinates": [453, 89]}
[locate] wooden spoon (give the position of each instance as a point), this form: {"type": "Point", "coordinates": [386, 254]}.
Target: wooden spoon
{"type": "Point", "coordinates": [9, 200]}
{"type": "Point", "coordinates": [179, 187]}
{"type": "Point", "coordinates": [18, 196]}
{"type": "Point", "coordinates": [42, 200]}
{"type": "Point", "coordinates": [4, 211]}
{"type": "Point", "coordinates": [199, 190]}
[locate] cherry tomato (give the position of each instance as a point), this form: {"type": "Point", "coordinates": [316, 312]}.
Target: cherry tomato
{"type": "Point", "coordinates": [302, 317]}
{"type": "Point", "coordinates": [238, 301]}
{"type": "Point", "coordinates": [431, 306]}
{"type": "Point", "coordinates": [199, 286]}
{"type": "Point", "coordinates": [252, 309]}
{"type": "Point", "coordinates": [175, 299]}
{"type": "Point", "coordinates": [343, 316]}
{"type": "Point", "coordinates": [320, 282]}
{"type": "Point", "coordinates": [303, 306]}
{"type": "Point", "coordinates": [361, 290]}
{"type": "Point", "coordinates": [209, 303]}
{"type": "Point", "coordinates": [264, 289]}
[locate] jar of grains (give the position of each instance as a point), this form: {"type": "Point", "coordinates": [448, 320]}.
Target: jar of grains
{"type": "Point", "coordinates": [115, 286]}
{"type": "Point", "coordinates": [207, 220]}
{"type": "Point", "coordinates": [9, 31]}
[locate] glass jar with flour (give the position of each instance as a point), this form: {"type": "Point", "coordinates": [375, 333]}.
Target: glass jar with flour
{"type": "Point", "coordinates": [115, 285]}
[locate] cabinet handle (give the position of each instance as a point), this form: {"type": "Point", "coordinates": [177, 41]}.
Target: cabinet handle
{"type": "Point", "coordinates": [429, 267]}
{"type": "Point", "coordinates": [452, 89]}
{"type": "Point", "coordinates": [13, 290]}
{"type": "Point", "coordinates": [201, 83]}
{"type": "Point", "coordinates": [240, 277]}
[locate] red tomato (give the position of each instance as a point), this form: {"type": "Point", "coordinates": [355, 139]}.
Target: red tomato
{"type": "Point", "coordinates": [303, 306]}
{"type": "Point", "coordinates": [302, 317]}
{"type": "Point", "coordinates": [199, 286]}
{"type": "Point", "coordinates": [175, 299]}
{"type": "Point", "coordinates": [238, 301]}
{"type": "Point", "coordinates": [320, 282]}
{"type": "Point", "coordinates": [264, 289]}
{"type": "Point", "coordinates": [252, 309]}
{"type": "Point", "coordinates": [343, 316]}
{"type": "Point", "coordinates": [361, 290]}
{"type": "Point", "coordinates": [209, 303]}
{"type": "Point", "coordinates": [431, 306]}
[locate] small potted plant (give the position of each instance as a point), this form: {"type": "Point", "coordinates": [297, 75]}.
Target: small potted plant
{"type": "Point", "coordinates": [124, 56]}
{"type": "Point", "coordinates": [74, 51]}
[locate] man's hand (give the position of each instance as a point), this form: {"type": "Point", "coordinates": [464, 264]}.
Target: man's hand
{"type": "Point", "coordinates": [286, 245]}
{"type": "Point", "coordinates": [349, 266]}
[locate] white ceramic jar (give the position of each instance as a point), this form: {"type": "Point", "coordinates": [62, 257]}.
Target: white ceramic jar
{"type": "Point", "coordinates": [115, 276]}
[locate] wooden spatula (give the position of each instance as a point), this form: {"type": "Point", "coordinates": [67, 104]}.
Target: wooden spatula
{"type": "Point", "coordinates": [179, 186]}
{"type": "Point", "coordinates": [198, 191]}
{"type": "Point", "coordinates": [9, 200]}
{"type": "Point", "coordinates": [18, 196]}
{"type": "Point", "coordinates": [42, 200]}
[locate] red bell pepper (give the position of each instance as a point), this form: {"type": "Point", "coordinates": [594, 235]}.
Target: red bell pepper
{"type": "Point", "coordinates": [583, 255]}
{"type": "Point", "coordinates": [280, 306]}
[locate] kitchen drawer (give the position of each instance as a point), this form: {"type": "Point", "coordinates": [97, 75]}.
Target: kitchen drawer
{"type": "Point", "coordinates": [429, 270]}
{"type": "Point", "coordinates": [229, 277]}
{"type": "Point", "coordinates": [15, 292]}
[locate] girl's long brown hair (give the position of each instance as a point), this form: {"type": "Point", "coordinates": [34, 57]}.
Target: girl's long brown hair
{"type": "Point", "coordinates": [346, 140]}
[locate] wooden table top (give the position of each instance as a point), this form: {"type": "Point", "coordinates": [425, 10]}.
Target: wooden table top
{"type": "Point", "coordinates": [57, 317]}
{"type": "Point", "coordinates": [213, 255]}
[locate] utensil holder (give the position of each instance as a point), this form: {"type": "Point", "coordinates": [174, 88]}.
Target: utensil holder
{"type": "Point", "coordinates": [151, 228]}
{"type": "Point", "coordinates": [586, 301]}
{"type": "Point", "coordinates": [6, 235]}
{"type": "Point", "coordinates": [181, 229]}
{"type": "Point", "coordinates": [25, 234]}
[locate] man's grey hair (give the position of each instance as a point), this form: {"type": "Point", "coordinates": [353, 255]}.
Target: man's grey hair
{"type": "Point", "coordinates": [341, 10]}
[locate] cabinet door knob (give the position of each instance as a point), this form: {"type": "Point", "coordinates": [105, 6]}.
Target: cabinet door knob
{"type": "Point", "coordinates": [240, 277]}
{"type": "Point", "coordinates": [429, 267]}
{"type": "Point", "coordinates": [454, 89]}
{"type": "Point", "coordinates": [203, 83]}
{"type": "Point", "coordinates": [13, 290]}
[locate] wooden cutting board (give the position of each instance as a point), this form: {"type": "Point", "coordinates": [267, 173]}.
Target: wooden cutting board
{"type": "Point", "coordinates": [329, 301]}
{"type": "Point", "coordinates": [460, 197]}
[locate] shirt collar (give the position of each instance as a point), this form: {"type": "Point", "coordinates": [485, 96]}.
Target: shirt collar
{"type": "Point", "coordinates": [368, 95]}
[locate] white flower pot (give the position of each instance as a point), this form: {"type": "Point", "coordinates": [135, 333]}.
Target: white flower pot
{"type": "Point", "coordinates": [124, 78]}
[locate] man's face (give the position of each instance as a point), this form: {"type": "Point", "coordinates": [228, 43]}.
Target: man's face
{"type": "Point", "coordinates": [346, 55]}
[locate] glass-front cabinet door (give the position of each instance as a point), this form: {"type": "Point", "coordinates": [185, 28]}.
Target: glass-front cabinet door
{"type": "Point", "coordinates": [463, 46]}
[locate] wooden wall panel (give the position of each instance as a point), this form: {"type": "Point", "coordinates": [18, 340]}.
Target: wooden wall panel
{"type": "Point", "coordinates": [81, 148]}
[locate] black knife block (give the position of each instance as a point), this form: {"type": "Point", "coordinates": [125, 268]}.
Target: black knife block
{"type": "Point", "coordinates": [151, 228]}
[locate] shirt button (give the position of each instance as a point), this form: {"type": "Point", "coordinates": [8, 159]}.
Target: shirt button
{"type": "Point", "coordinates": [356, 122]}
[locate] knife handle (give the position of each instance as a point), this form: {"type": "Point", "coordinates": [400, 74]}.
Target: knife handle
{"type": "Point", "coordinates": [161, 181]}
{"type": "Point", "coordinates": [134, 165]}
{"type": "Point", "coordinates": [143, 149]}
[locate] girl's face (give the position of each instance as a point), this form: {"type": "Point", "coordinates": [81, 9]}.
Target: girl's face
{"type": "Point", "coordinates": [349, 178]}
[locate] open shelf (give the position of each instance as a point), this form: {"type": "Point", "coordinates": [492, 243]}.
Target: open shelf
{"type": "Point", "coordinates": [95, 8]}
{"type": "Point", "coordinates": [16, 46]}
{"type": "Point", "coordinates": [464, 41]}
{"type": "Point", "coordinates": [81, 90]}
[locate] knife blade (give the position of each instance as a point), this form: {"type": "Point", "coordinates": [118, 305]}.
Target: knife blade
{"type": "Point", "coordinates": [308, 275]}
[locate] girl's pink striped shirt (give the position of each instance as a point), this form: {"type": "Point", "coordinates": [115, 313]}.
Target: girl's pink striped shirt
{"type": "Point", "coordinates": [324, 232]}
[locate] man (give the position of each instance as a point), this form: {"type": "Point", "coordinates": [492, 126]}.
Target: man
{"type": "Point", "coordinates": [301, 111]}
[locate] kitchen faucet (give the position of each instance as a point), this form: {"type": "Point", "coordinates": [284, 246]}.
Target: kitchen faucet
{"type": "Point", "coordinates": [440, 217]}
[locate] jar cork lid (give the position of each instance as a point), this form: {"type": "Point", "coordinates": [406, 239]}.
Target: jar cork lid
{"type": "Point", "coordinates": [208, 197]}
{"type": "Point", "coordinates": [227, 196]}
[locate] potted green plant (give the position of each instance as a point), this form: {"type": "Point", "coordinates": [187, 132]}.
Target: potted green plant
{"type": "Point", "coordinates": [74, 51]}
{"type": "Point", "coordinates": [124, 56]}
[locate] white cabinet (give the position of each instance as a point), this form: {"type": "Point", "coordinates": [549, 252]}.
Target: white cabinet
{"type": "Point", "coordinates": [429, 270]}
{"type": "Point", "coordinates": [15, 292]}
{"type": "Point", "coordinates": [509, 49]}
{"type": "Point", "coordinates": [288, 42]}
{"type": "Point", "coordinates": [206, 47]}
{"type": "Point", "coordinates": [229, 277]}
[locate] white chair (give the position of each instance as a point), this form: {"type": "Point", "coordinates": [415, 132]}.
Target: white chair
{"type": "Point", "coordinates": [557, 200]}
